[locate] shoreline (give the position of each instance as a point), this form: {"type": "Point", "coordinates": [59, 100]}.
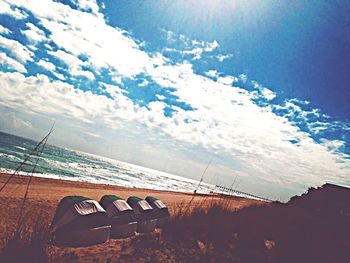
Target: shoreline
{"type": "Point", "coordinates": [36, 190]}
{"type": "Point", "coordinates": [239, 194]}
{"type": "Point", "coordinates": [45, 179]}
{"type": "Point", "coordinates": [97, 182]}
{"type": "Point", "coordinates": [55, 189]}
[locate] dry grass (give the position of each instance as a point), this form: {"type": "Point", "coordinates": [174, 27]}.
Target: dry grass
{"type": "Point", "coordinates": [311, 228]}
{"type": "Point", "coordinates": [28, 241]}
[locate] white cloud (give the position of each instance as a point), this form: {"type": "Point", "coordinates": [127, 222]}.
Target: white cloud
{"type": "Point", "coordinates": [197, 50]}
{"type": "Point", "coordinates": [188, 46]}
{"type": "Point", "coordinates": [203, 47]}
{"type": "Point", "coordinates": [112, 90]}
{"type": "Point", "coordinates": [4, 30]}
{"type": "Point", "coordinates": [83, 33]}
{"type": "Point", "coordinates": [85, 73]}
{"type": "Point", "coordinates": [222, 57]}
{"type": "Point", "coordinates": [144, 83]}
{"type": "Point", "coordinates": [333, 145]}
{"type": "Point", "coordinates": [74, 64]}
{"type": "Point", "coordinates": [33, 33]}
{"type": "Point", "coordinates": [59, 75]}
{"type": "Point", "coordinates": [228, 120]}
{"type": "Point", "coordinates": [11, 63]}
{"type": "Point", "coordinates": [262, 92]}
{"type": "Point", "coordinates": [48, 47]}
{"type": "Point", "coordinates": [317, 126]}
{"type": "Point", "coordinates": [41, 95]}
{"type": "Point", "coordinates": [268, 94]}
{"type": "Point", "coordinates": [22, 53]}
{"type": "Point", "coordinates": [160, 97]}
{"type": "Point", "coordinates": [227, 80]}
{"type": "Point", "coordinates": [169, 35]}
{"type": "Point", "coordinates": [88, 6]}
{"type": "Point", "coordinates": [71, 61]}
{"type": "Point", "coordinates": [302, 102]}
{"type": "Point", "coordinates": [212, 73]}
{"type": "Point", "coordinates": [46, 65]}
{"type": "Point", "coordinates": [224, 120]}
{"type": "Point", "coordinates": [293, 109]}
{"type": "Point", "coordinates": [243, 78]}
{"type": "Point", "coordinates": [8, 9]}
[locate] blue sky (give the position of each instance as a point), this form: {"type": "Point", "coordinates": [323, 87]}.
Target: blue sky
{"type": "Point", "coordinates": [260, 86]}
{"type": "Point", "coordinates": [300, 49]}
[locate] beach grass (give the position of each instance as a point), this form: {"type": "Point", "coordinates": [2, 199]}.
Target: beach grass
{"type": "Point", "coordinates": [310, 228]}
{"type": "Point", "coordinates": [29, 240]}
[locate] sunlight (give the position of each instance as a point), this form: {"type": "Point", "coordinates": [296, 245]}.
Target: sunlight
{"type": "Point", "coordinates": [214, 18]}
{"type": "Point", "coordinates": [207, 9]}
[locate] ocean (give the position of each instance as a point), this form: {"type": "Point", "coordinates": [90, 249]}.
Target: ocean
{"type": "Point", "coordinates": [60, 163]}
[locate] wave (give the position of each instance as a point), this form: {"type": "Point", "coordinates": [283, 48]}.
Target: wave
{"type": "Point", "coordinates": [10, 157]}
{"type": "Point", "coordinates": [21, 148]}
{"type": "Point", "coordinates": [73, 165]}
{"type": "Point", "coordinates": [116, 181]}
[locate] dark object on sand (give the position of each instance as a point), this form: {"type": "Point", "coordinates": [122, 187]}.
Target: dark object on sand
{"type": "Point", "coordinates": [144, 214]}
{"type": "Point", "coordinates": [121, 216]}
{"type": "Point", "coordinates": [79, 221]}
{"type": "Point", "coordinates": [161, 211]}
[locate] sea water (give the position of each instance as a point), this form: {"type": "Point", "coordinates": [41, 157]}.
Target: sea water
{"type": "Point", "coordinates": [60, 163]}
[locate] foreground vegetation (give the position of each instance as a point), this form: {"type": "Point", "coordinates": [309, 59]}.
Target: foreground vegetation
{"type": "Point", "coordinates": [310, 228]}
{"type": "Point", "coordinates": [27, 242]}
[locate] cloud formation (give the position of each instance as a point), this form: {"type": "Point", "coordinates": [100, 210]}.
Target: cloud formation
{"type": "Point", "coordinates": [232, 117]}
{"type": "Point", "coordinates": [8, 9]}
{"type": "Point", "coordinates": [16, 49]}
{"type": "Point", "coordinates": [189, 47]}
{"type": "Point", "coordinates": [33, 33]}
{"type": "Point", "coordinates": [4, 30]}
{"type": "Point", "coordinates": [11, 63]}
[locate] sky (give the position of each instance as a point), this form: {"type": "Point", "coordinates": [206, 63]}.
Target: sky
{"type": "Point", "coordinates": [258, 88]}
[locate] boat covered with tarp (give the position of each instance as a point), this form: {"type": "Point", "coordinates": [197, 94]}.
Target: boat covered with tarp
{"type": "Point", "coordinates": [144, 213]}
{"type": "Point", "coordinates": [79, 221]}
{"type": "Point", "coordinates": [161, 211]}
{"type": "Point", "coordinates": [121, 216]}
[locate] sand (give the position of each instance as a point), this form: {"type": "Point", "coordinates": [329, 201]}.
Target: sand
{"type": "Point", "coordinates": [44, 195]}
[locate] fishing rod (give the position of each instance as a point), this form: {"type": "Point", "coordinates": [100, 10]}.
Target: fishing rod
{"type": "Point", "coordinates": [24, 162]}
{"type": "Point", "coordinates": [234, 181]}
{"type": "Point", "coordinates": [30, 179]}
{"type": "Point", "coordinates": [195, 191]}
{"type": "Point", "coordinates": [206, 168]}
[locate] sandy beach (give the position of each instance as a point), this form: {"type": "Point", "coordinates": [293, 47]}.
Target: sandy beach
{"type": "Point", "coordinates": [53, 190]}
{"type": "Point", "coordinates": [44, 195]}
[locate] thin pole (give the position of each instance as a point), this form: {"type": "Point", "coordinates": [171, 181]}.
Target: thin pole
{"type": "Point", "coordinates": [195, 192]}
{"type": "Point", "coordinates": [206, 168]}
{"type": "Point", "coordinates": [27, 158]}
{"type": "Point", "coordinates": [30, 180]}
